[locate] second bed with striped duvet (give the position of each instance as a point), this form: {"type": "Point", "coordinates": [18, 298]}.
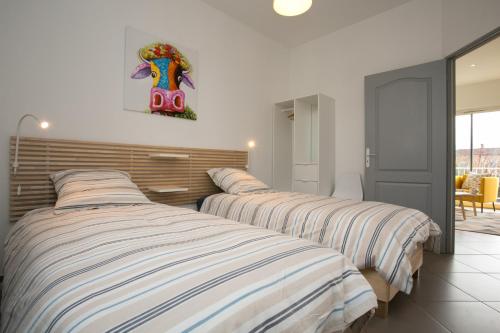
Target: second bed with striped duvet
{"type": "Point", "coordinates": [371, 234]}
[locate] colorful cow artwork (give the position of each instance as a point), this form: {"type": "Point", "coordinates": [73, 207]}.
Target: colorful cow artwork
{"type": "Point", "coordinates": [168, 68]}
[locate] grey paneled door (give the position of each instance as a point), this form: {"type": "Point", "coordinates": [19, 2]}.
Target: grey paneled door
{"type": "Point", "coordinates": [406, 138]}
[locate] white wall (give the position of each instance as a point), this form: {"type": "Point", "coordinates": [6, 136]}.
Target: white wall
{"type": "Point", "coordinates": [467, 20]}
{"type": "Point", "coordinates": [414, 33]}
{"type": "Point", "coordinates": [478, 96]}
{"type": "Point", "coordinates": [63, 60]}
{"type": "Point", "coordinates": [336, 65]}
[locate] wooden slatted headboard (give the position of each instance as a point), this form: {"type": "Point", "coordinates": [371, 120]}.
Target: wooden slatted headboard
{"type": "Point", "coordinates": [38, 158]}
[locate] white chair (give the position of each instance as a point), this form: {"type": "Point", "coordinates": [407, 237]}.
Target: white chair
{"type": "Point", "coordinates": [348, 186]}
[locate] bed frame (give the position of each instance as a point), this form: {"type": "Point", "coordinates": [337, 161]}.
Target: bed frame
{"type": "Point", "coordinates": [385, 292]}
{"type": "Point", "coordinates": [149, 166]}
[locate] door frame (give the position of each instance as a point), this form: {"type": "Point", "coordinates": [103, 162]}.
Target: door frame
{"type": "Point", "coordinates": [451, 94]}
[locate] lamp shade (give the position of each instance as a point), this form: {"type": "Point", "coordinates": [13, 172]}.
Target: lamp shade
{"type": "Point", "coordinates": [291, 7]}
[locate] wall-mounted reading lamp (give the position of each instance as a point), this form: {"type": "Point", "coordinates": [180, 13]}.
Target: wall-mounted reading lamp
{"type": "Point", "coordinates": [42, 124]}
{"type": "Point", "coordinates": [251, 146]}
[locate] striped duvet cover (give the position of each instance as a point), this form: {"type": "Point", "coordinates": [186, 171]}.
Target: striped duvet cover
{"type": "Point", "coordinates": [371, 234]}
{"type": "Point", "coordinates": [157, 268]}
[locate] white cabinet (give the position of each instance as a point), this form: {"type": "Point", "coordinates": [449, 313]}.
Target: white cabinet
{"type": "Point", "coordinates": [303, 145]}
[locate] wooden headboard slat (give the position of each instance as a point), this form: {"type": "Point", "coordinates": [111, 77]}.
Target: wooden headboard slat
{"type": "Point", "coordinates": [38, 158]}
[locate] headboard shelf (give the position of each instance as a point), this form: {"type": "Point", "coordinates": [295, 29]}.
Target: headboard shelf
{"type": "Point", "coordinates": [39, 157]}
{"type": "Point", "coordinates": [167, 189]}
{"type": "Point", "coordinates": [167, 156]}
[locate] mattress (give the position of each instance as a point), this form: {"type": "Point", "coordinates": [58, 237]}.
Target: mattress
{"type": "Point", "coordinates": [371, 234]}
{"type": "Point", "coordinates": [157, 268]}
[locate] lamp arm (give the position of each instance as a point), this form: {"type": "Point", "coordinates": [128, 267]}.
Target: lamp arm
{"type": "Point", "coordinates": [15, 165]}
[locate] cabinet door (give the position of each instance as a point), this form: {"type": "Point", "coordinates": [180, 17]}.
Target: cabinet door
{"type": "Point", "coordinates": [282, 150]}
{"type": "Point", "coordinates": [326, 145]}
{"type": "Point", "coordinates": [306, 172]}
{"type": "Point", "coordinates": [305, 187]}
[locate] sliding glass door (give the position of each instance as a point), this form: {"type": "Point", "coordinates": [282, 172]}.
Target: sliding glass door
{"type": "Point", "coordinates": [463, 130]}
{"type": "Point", "coordinates": [478, 143]}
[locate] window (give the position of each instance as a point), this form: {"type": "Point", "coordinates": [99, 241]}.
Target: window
{"type": "Point", "coordinates": [463, 144]}
{"type": "Point", "coordinates": [486, 142]}
{"type": "Point", "coordinates": [481, 131]}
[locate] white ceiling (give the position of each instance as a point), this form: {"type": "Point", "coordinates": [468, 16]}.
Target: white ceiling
{"type": "Point", "coordinates": [325, 16]}
{"type": "Point", "coordinates": [487, 61]}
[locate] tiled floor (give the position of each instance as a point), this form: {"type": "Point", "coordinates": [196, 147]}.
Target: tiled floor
{"type": "Point", "coordinates": [458, 293]}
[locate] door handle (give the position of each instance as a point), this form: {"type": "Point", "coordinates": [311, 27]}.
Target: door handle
{"type": "Point", "coordinates": [367, 157]}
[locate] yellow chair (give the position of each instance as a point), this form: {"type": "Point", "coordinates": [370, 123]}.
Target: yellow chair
{"type": "Point", "coordinates": [488, 190]}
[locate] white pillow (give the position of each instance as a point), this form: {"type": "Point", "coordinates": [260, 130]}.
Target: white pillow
{"type": "Point", "coordinates": [91, 188]}
{"type": "Point", "coordinates": [235, 181]}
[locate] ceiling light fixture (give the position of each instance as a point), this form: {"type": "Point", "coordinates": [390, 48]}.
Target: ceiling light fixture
{"type": "Point", "coordinates": [473, 65]}
{"type": "Point", "coordinates": [291, 7]}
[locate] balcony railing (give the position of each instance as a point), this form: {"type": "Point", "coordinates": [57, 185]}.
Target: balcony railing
{"type": "Point", "coordinates": [459, 171]}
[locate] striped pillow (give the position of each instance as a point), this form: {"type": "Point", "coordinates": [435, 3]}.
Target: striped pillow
{"type": "Point", "coordinates": [84, 188]}
{"type": "Point", "coordinates": [235, 181]}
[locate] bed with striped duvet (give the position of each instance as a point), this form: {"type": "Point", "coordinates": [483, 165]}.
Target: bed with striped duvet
{"type": "Point", "coordinates": [371, 234]}
{"type": "Point", "coordinates": [157, 268]}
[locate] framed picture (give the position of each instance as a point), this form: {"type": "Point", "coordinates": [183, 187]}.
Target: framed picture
{"type": "Point", "coordinates": [160, 76]}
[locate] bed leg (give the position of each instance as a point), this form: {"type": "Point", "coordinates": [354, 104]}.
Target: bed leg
{"type": "Point", "coordinates": [382, 310]}
{"type": "Point", "coordinates": [416, 274]}
{"type": "Point", "coordinates": [359, 325]}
